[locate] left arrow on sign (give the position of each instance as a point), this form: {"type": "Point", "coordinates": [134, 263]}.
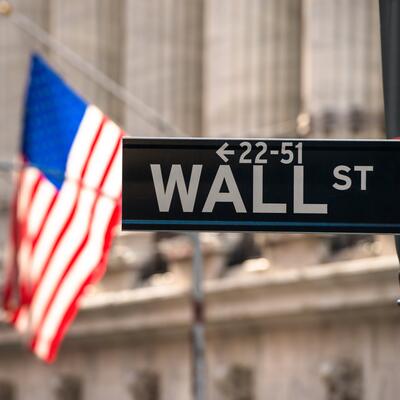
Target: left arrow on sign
{"type": "Point", "coordinates": [222, 152]}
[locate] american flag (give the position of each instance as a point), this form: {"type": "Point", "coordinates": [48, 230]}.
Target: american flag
{"type": "Point", "coordinates": [65, 209]}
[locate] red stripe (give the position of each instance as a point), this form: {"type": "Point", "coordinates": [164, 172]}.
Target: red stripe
{"type": "Point", "coordinates": [71, 214]}
{"type": "Point", "coordinates": [23, 224]}
{"type": "Point", "coordinates": [43, 223]}
{"type": "Point", "coordinates": [83, 242]}
{"type": "Point", "coordinates": [15, 315]}
{"type": "Point", "coordinates": [103, 121]}
{"type": "Point", "coordinates": [33, 242]}
{"type": "Point", "coordinates": [24, 235]}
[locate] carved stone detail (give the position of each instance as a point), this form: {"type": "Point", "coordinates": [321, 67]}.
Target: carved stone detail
{"type": "Point", "coordinates": [68, 388]}
{"type": "Point", "coordinates": [237, 383]}
{"type": "Point", "coordinates": [343, 380]}
{"type": "Point", "coordinates": [7, 391]}
{"type": "Point", "coordinates": [145, 386]}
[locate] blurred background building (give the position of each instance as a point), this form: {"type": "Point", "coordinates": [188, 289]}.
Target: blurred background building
{"type": "Point", "coordinates": [288, 316]}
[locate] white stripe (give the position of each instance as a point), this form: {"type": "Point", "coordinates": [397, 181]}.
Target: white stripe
{"type": "Point", "coordinates": [29, 176]}
{"type": "Point", "coordinates": [55, 221]}
{"type": "Point", "coordinates": [23, 261]}
{"type": "Point", "coordinates": [101, 154]}
{"type": "Point", "coordinates": [62, 255]}
{"type": "Point", "coordinates": [84, 265]}
{"type": "Point", "coordinates": [40, 204]}
{"type": "Point", "coordinates": [83, 141]}
{"type": "Point", "coordinates": [113, 182]}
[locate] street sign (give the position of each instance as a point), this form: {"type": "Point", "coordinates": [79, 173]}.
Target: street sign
{"type": "Point", "coordinates": [291, 185]}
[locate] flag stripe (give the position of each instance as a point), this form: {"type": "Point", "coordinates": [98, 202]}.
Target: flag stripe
{"type": "Point", "coordinates": [94, 276]}
{"type": "Point", "coordinates": [85, 262]}
{"type": "Point", "coordinates": [42, 198]}
{"type": "Point", "coordinates": [60, 219]}
{"type": "Point", "coordinates": [91, 150]}
{"type": "Point", "coordinates": [70, 243]}
{"type": "Point", "coordinates": [53, 226]}
{"type": "Point", "coordinates": [113, 184]}
{"type": "Point", "coordinates": [38, 234]}
{"type": "Point", "coordinates": [33, 184]}
{"type": "Point", "coordinates": [64, 250]}
{"type": "Point", "coordinates": [102, 156]}
{"type": "Point", "coordinates": [77, 279]}
{"type": "Point", "coordinates": [83, 142]}
{"type": "Point", "coordinates": [79, 237]}
{"type": "Point", "coordinates": [29, 177]}
{"type": "Point", "coordinates": [41, 202]}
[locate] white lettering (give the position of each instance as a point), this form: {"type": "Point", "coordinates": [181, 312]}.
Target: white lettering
{"type": "Point", "coordinates": [258, 205]}
{"type": "Point", "coordinates": [299, 207]}
{"type": "Point", "coordinates": [224, 174]}
{"type": "Point", "coordinates": [363, 169]}
{"type": "Point", "coordinates": [164, 195]}
{"type": "Point", "coordinates": [338, 174]}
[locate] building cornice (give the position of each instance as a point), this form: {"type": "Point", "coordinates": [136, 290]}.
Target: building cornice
{"type": "Point", "coordinates": [353, 289]}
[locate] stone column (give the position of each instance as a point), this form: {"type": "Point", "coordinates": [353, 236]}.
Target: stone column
{"type": "Point", "coordinates": [343, 91]}
{"type": "Point", "coordinates": [15, 50]}
{"type": "Point", "coordinates": [237, 383]}
{"type": "Point", "coordinates": [93, 29]}
{"type": "Point", "coordinates": [342, 379]}
{"type": "Point", "coordinates": [145, 385]}
{"type": "Point", "coordinates": [163, 63]}
{"type": "Point", "coordinates": [68, 388]}
{"type": "Point", "coordinates": [7, 391]}
{"type": "Point", "coordinates": [252, 64]}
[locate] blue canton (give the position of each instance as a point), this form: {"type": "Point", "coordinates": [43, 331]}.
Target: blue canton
{"type": "Point", "coordinates": [53, 113]}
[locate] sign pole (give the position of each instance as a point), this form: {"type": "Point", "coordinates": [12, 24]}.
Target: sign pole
{"type": "Point", "coordinates": [198, 339]}
{"type": "Point", "coordinates": [390, 36]}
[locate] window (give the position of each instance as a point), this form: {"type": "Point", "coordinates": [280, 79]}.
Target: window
{"type": "Point", "coordinates": [237, 384]}
{"type": "Point", "coordinates": [7, 391]}
{"type": "Point", "coordinates": [145, 386]}
{"type": "Point", "coordinates": [68, 388]}
{"type": "Point", "coordinates": [343, 380]}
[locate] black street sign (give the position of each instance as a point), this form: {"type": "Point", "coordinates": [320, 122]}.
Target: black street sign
{"type": "Point", "coordinates": [349, 186]}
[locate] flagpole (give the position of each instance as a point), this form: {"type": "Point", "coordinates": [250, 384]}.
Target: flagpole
{"type": "Point", "coordinates": [390, 41]}
{"type": "Point", "coordinates": [139, 107]}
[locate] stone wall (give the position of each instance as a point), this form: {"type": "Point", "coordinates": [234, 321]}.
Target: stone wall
{"type": "Point", "coordinates": [163, 64]}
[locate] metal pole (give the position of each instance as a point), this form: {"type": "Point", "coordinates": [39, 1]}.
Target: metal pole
{"type": "Point", "coordinates": [198, 339]}
{"type": "Point", "coordinates": [390, 40]}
